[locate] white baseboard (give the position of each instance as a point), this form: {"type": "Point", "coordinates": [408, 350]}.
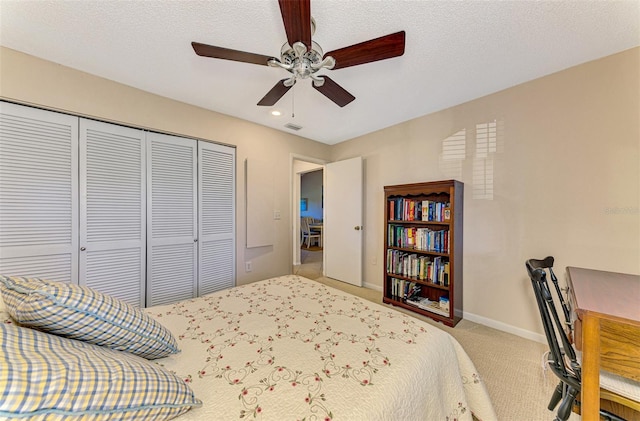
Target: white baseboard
{"type": "Point", "coordinates": [523, 333]}
{"type": "Point", "coordinates": [372, 286]}
{"type": "Point", "coordinates": [527, 334]}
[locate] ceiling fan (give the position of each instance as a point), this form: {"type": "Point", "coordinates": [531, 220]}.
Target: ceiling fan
{"type": "Point", "coordinates": [303, 57]}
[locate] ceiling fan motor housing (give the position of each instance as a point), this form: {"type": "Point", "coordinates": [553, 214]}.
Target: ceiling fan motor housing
{"type": "Point", "coordinates": [301, 66]}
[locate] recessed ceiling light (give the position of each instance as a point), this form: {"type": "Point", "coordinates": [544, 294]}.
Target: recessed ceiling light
{"type": "Point", "coordinates": [276, 113]}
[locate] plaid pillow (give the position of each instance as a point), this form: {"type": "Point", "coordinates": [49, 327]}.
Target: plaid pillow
{"type": "Point", "coordinates": [44, 376]}
{"type": "Point", "coordinates": [85, 314]}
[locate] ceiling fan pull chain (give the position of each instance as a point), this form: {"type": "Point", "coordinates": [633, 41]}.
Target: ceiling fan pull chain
{"type": "Point", "coordinates": [293, 101]}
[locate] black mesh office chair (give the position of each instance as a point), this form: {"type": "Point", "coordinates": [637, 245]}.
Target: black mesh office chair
{"type": "Point", "coordinates": [562, 357]}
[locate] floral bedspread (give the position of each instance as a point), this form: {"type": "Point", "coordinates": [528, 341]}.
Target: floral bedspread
{"type": "Point", "coordinates": [290, 348]}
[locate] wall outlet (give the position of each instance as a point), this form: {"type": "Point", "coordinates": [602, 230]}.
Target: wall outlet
{"type": "Point", "coordinates": [276, 214]}
{"type": "Point", "coordinates": [248, 267]}
{"type": "Point", "coordinates": [374, 261]}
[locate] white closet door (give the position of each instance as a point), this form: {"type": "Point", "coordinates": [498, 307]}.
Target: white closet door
{"type": "Point", "coordinates": [171, 218]}
{"type": "Point", "coordinates": [38, 193]}
{"type": "Point", "coordinates": [112, 210]}
{"type": "Point", "coordinates": [216, 179]}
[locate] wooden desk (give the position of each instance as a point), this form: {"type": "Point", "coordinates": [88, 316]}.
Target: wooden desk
{"type": "Point", "coordinates": [607, 329]}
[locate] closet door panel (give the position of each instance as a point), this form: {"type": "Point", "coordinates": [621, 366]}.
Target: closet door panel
{"type": "Point", "coordinates": [171, 218]}
{"type": "Point", "coordinates": [113, 210]}
{"type": "Point", "coordinates": [216, 180]}
{"type": "Point", "coordinates": [38, 193]}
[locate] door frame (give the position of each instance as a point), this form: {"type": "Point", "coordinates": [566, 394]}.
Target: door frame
{"type": "Point", "coordinates": [294, 195]}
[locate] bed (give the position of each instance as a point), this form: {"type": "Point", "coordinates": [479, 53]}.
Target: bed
{"type": "Point", "coordinates": [293, 348]}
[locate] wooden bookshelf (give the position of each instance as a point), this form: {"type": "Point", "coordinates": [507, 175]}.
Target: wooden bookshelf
{"type": "Point", "coordinates": [423, 248]}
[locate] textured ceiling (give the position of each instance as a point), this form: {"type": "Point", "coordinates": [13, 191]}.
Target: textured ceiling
{"type": "Point", "coordinates": [456, 51]}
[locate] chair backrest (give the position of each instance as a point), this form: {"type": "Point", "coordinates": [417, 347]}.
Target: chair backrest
{"type": "Point", "coordinates": [304, 225]}
{"type": "Point", "coordinates": [547, 263]}
{"type": "Point", "coordinates": [560, 347]}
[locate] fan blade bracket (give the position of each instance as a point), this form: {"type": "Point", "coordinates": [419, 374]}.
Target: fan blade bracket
{"type": "Point", "coordinates": [279, 64]}
{"type": "Point", "coordinates": [317, 81]}
{"type": "Point", "coordinates": [382, 48]}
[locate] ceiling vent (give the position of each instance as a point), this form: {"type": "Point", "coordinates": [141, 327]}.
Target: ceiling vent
{"type": "Point", "coordinates": [292, 126]}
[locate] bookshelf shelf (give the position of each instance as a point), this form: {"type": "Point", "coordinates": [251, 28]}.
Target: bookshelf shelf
{"type": "Point", "coordinates": [393, 221]}
{"type": "Point", "coordinates": [423, 248]}
{"type": "Point", "coordinates": [419, 281]}
{"type": "Point", "coordinates": [418, 251]}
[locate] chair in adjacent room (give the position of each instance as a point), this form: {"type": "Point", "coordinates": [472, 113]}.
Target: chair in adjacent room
{"type": "Point", "coordinates": [307, 233]}
{"type": "Point", "coordinates": [562, 359]}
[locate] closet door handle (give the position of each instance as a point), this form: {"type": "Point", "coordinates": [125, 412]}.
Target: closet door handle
{"type": "Point", "coordinates": [83, 248]}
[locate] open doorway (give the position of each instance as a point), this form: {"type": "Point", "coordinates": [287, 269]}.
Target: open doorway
{"type": "Point", "coordinates": [308, 215]}
{"type": "Point", "coordinates": [311, 224]}
{"type": "Point", "coordinates": [342, 199]}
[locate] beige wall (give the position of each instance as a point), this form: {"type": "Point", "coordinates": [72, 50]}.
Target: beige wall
{"type": "Point", "coordinates": [566, 173]}
{"type": "Point", "coordinates": [566, 182]}
{"type": "Point", "coordinates": [29, 80]}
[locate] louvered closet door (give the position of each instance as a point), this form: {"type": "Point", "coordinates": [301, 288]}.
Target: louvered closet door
{"type": "Point", "coordinates": [171, 218]}
{"type": "Point", "coordinates": [216, 180]}
{"type": "Point", "coordinates": [38, 193]}
{"type": "Point", "coordinates": [112, 210]}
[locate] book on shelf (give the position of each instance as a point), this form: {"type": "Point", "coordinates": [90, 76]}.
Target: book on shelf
{"type": "Point", "coordinates": [419, 238]}
{"type": "Point", "coordinates": [423, 268]}
{"type": "Point", "coordinates": [403, 209]}
{"type": "Point", "coordinates": [432, 306]}
{"type": "Point", "coordinates": [403, 290]}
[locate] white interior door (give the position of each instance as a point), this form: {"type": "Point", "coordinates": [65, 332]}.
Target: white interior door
{"type": "Point", "coordinates": [112, 210]}
{"type": "Point", "coordinates": [216, 228]}
{"type": "Point", "coordinates": [342, 237]}
{"type": "Point", "coordinates": [38, 193]}
{"type": "Point", "coordinates": [171, 219]}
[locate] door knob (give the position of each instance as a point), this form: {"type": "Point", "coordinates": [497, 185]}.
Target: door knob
{"type": "Point", "coordinates": [83, 248]}
{"type": "Point", "coordinates": [357, 228]}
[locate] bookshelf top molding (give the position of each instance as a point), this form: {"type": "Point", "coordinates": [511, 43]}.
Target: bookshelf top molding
{"type": "Point", "coordinates": [434, 187]}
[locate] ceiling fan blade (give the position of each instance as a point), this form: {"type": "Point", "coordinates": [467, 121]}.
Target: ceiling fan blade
{"type": "Point", "coordinates": [228, 54]}
{"type": "Point", "coordinates": [382, 48]}
{"type": "Point", "coordinates": [275, 94]}
{"type": "Point", "coordinates": [334, 92]}
{"type": "Point", "coordinates": [296, 16]}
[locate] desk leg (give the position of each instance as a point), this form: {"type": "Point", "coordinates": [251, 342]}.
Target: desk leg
{"type": "Point", "coordinates": [590, 394]}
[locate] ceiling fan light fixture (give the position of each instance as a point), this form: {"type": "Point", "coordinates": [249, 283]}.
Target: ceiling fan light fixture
{"type": "Point", "coordinates": [327, 63]}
